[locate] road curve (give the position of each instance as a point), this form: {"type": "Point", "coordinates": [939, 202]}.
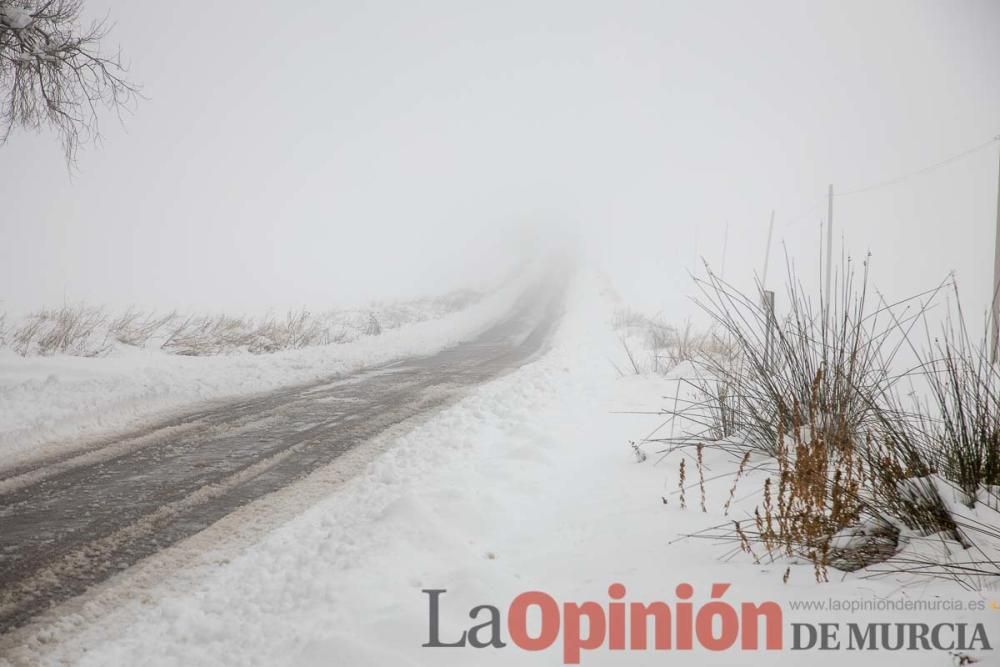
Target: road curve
{"type": "Point", "coordinates": [66, 525]}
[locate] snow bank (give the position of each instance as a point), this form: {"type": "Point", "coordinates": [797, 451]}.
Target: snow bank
{"type": "Point", "coordinates": [48, 404]}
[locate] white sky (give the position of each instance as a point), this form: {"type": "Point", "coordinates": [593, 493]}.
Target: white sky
{"type": "Point", "coordinates": [328, 153]}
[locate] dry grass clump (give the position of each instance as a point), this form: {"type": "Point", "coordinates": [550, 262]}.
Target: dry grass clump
{"type": "Point", "coordinates": [298, 329]}
{"type": "Point", "coordinates": [208, 335]}
{"type": "Point", "coordinates": [75, 330]}
{"type": "Point", "coordinates": [653, 346]}
{"type": "Point", "coordinates": [91, 331]}
{"type": "Point", "coordinates": [820, 475]}
{"type": "Point", "coordinates": [136, 328]}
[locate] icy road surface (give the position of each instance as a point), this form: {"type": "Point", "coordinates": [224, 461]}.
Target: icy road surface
{"type": "Point", "coordinates": [71, 523]}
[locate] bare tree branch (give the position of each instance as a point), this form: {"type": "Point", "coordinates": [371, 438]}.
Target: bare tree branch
{"type": "Point", "coordinates": [53, 73]}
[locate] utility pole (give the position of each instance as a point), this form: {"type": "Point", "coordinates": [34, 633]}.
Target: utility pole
{"type": "Point", "coordinates": [767, 298]}
{"type": "Point", "coordinates": [725, 249]}
{"type": "Point", "coordinates": [767, 251]}
{"type": "Point", "coordinates": [829, 245]}
{"type": "Point", "coordinates": [996, 280]}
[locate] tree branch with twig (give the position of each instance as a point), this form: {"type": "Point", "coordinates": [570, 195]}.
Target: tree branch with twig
{"type": "Point", "coordinates": [54, 74]}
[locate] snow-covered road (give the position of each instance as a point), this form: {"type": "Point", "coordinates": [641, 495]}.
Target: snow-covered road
{"type": "Point", "coordinates": [70, 523]}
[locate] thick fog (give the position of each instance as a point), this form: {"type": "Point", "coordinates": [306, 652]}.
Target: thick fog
{"type": "Point", "coordinates": [329, 153]}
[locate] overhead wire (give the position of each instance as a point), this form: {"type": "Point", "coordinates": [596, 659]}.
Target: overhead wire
{"type": "Point", "coordinates": [818, 204]}
{"type": "Point", "coordinates": [923, 170]}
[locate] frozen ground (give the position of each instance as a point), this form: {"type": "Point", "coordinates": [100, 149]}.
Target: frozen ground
{"type": "Point", "coordinates": [527, 484]}
{"type": "Point", "coordinates": [50, 403]}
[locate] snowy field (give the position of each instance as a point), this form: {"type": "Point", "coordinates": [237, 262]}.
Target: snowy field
{"type": "Point", "coordinates": [527, 484]}
{"type": "Point", "coordinates": [50, 403]}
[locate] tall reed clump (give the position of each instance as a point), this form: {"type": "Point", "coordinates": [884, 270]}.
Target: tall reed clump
{"type": "Point", "coordinates": [945, 447]}
{"type": "Point", "coordinates": [815, 391]}
{"type": "Point", "coordinates": [962, 435]}
{"type": "Point", "coordinates": [822, 364]}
